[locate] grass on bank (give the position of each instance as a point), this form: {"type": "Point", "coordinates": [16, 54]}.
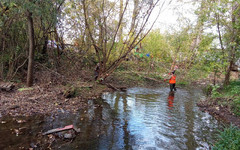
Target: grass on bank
{"type": "Point", "coordinates": [229, 139]}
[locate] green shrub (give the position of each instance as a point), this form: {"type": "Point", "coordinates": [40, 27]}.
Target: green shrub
{"type": "Point", "coordinates": [236, 106]}
{"type": "Point", "coordinates": [233, 88]}
{"type": "Point", "coordinates": [208, 90]}
{"type": "Point", "coordinates": [215, 92]}
{"type": "Point", "coordinates": [232, 91]}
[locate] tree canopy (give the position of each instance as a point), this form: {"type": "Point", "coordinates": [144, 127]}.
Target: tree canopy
{"type": "Point", "coordinates": [112, 31]}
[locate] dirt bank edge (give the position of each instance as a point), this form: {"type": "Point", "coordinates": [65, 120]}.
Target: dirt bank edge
{"type": "Point", "coordinates": [222, 113]}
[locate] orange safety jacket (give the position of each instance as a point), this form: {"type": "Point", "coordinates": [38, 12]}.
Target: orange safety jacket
{"type": "Point", "coordinates": [172, 79]}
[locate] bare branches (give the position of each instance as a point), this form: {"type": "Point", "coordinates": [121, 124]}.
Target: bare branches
{"type": "Point", "coordinates": [118, 27]}
{"type": "Point", "coordinates": [18, 69]}
{"type": "Point", "coordinates": [115, 29]}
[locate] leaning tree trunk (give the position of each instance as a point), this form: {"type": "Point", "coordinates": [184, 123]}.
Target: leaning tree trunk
{"type": "Point", "coordinates": [228, 74]}
{"type": "Point", "coordinates": [31, 49]}
{"type": "Point", "coordinates": [121, 26]}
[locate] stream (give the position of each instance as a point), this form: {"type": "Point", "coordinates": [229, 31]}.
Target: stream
{"type": "Point", "coordinates": [138, 119]}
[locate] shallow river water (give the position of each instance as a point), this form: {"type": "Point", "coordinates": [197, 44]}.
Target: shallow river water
{"type": "Point", "coordinates": [138, 119]}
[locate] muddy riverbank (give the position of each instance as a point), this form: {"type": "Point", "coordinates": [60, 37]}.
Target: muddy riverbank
{"type": "Point", "coordinates": [53, 94]}
{"type": "Point", "coordinates": [44, 100]}
{"type": "Point", "coordinates": [220, 112]}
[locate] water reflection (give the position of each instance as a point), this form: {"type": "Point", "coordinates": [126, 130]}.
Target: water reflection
{"type": "Point", "coordinates": [152, 125]}
{"type": "Point", "coordinates": [170, 99]}
{"type": "Point", "coordinates": [140, 118]}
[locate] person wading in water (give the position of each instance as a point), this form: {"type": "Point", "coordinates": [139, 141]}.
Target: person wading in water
{"type": "Point", "coordinates": [172, 81]}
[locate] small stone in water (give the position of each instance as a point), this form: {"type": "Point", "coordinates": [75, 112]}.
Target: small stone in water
{"type": "Point", "coordinates": [21, 121]}
{"type": "Point", "coordinates": [3, 122]}
{"type": "Point", "coordinates": [69, 135]}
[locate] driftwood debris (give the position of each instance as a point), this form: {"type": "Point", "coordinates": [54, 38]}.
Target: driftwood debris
{"type": "Point", "coordinates": [116, 88]}
{"type": "Point", "coordinates": [6, 86]}
{"type": "Point", "coordinates": [69, 127]}
{"type": "Point", "coordinates": [84, 85]}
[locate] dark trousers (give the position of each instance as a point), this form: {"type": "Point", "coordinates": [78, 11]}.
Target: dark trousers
{"type": "Point", "coordinates": [96, 75]}
{"type": "Point", "coordinates": [172, 86]}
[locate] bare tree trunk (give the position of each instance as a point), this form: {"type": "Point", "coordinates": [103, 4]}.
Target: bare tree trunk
{"type": "Point", "coordinates": [44, 49]}
{"type": "Point", "coordinates": [214, 78]}
{"type": "Point", "coordinates": [232, 52]}
{"type": "Point", "coordinates": [219, 33]}
{"type": "Point", "coordinates": [31, 49]}
{"type": "Point", "coordinates": [1, 63]}
{"type": "Point", "coordinates": [57, 58]}
{"type": "Point", "coordinates": [134, 16]}
{"type": "Point", "coordinates": [45, 38]}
